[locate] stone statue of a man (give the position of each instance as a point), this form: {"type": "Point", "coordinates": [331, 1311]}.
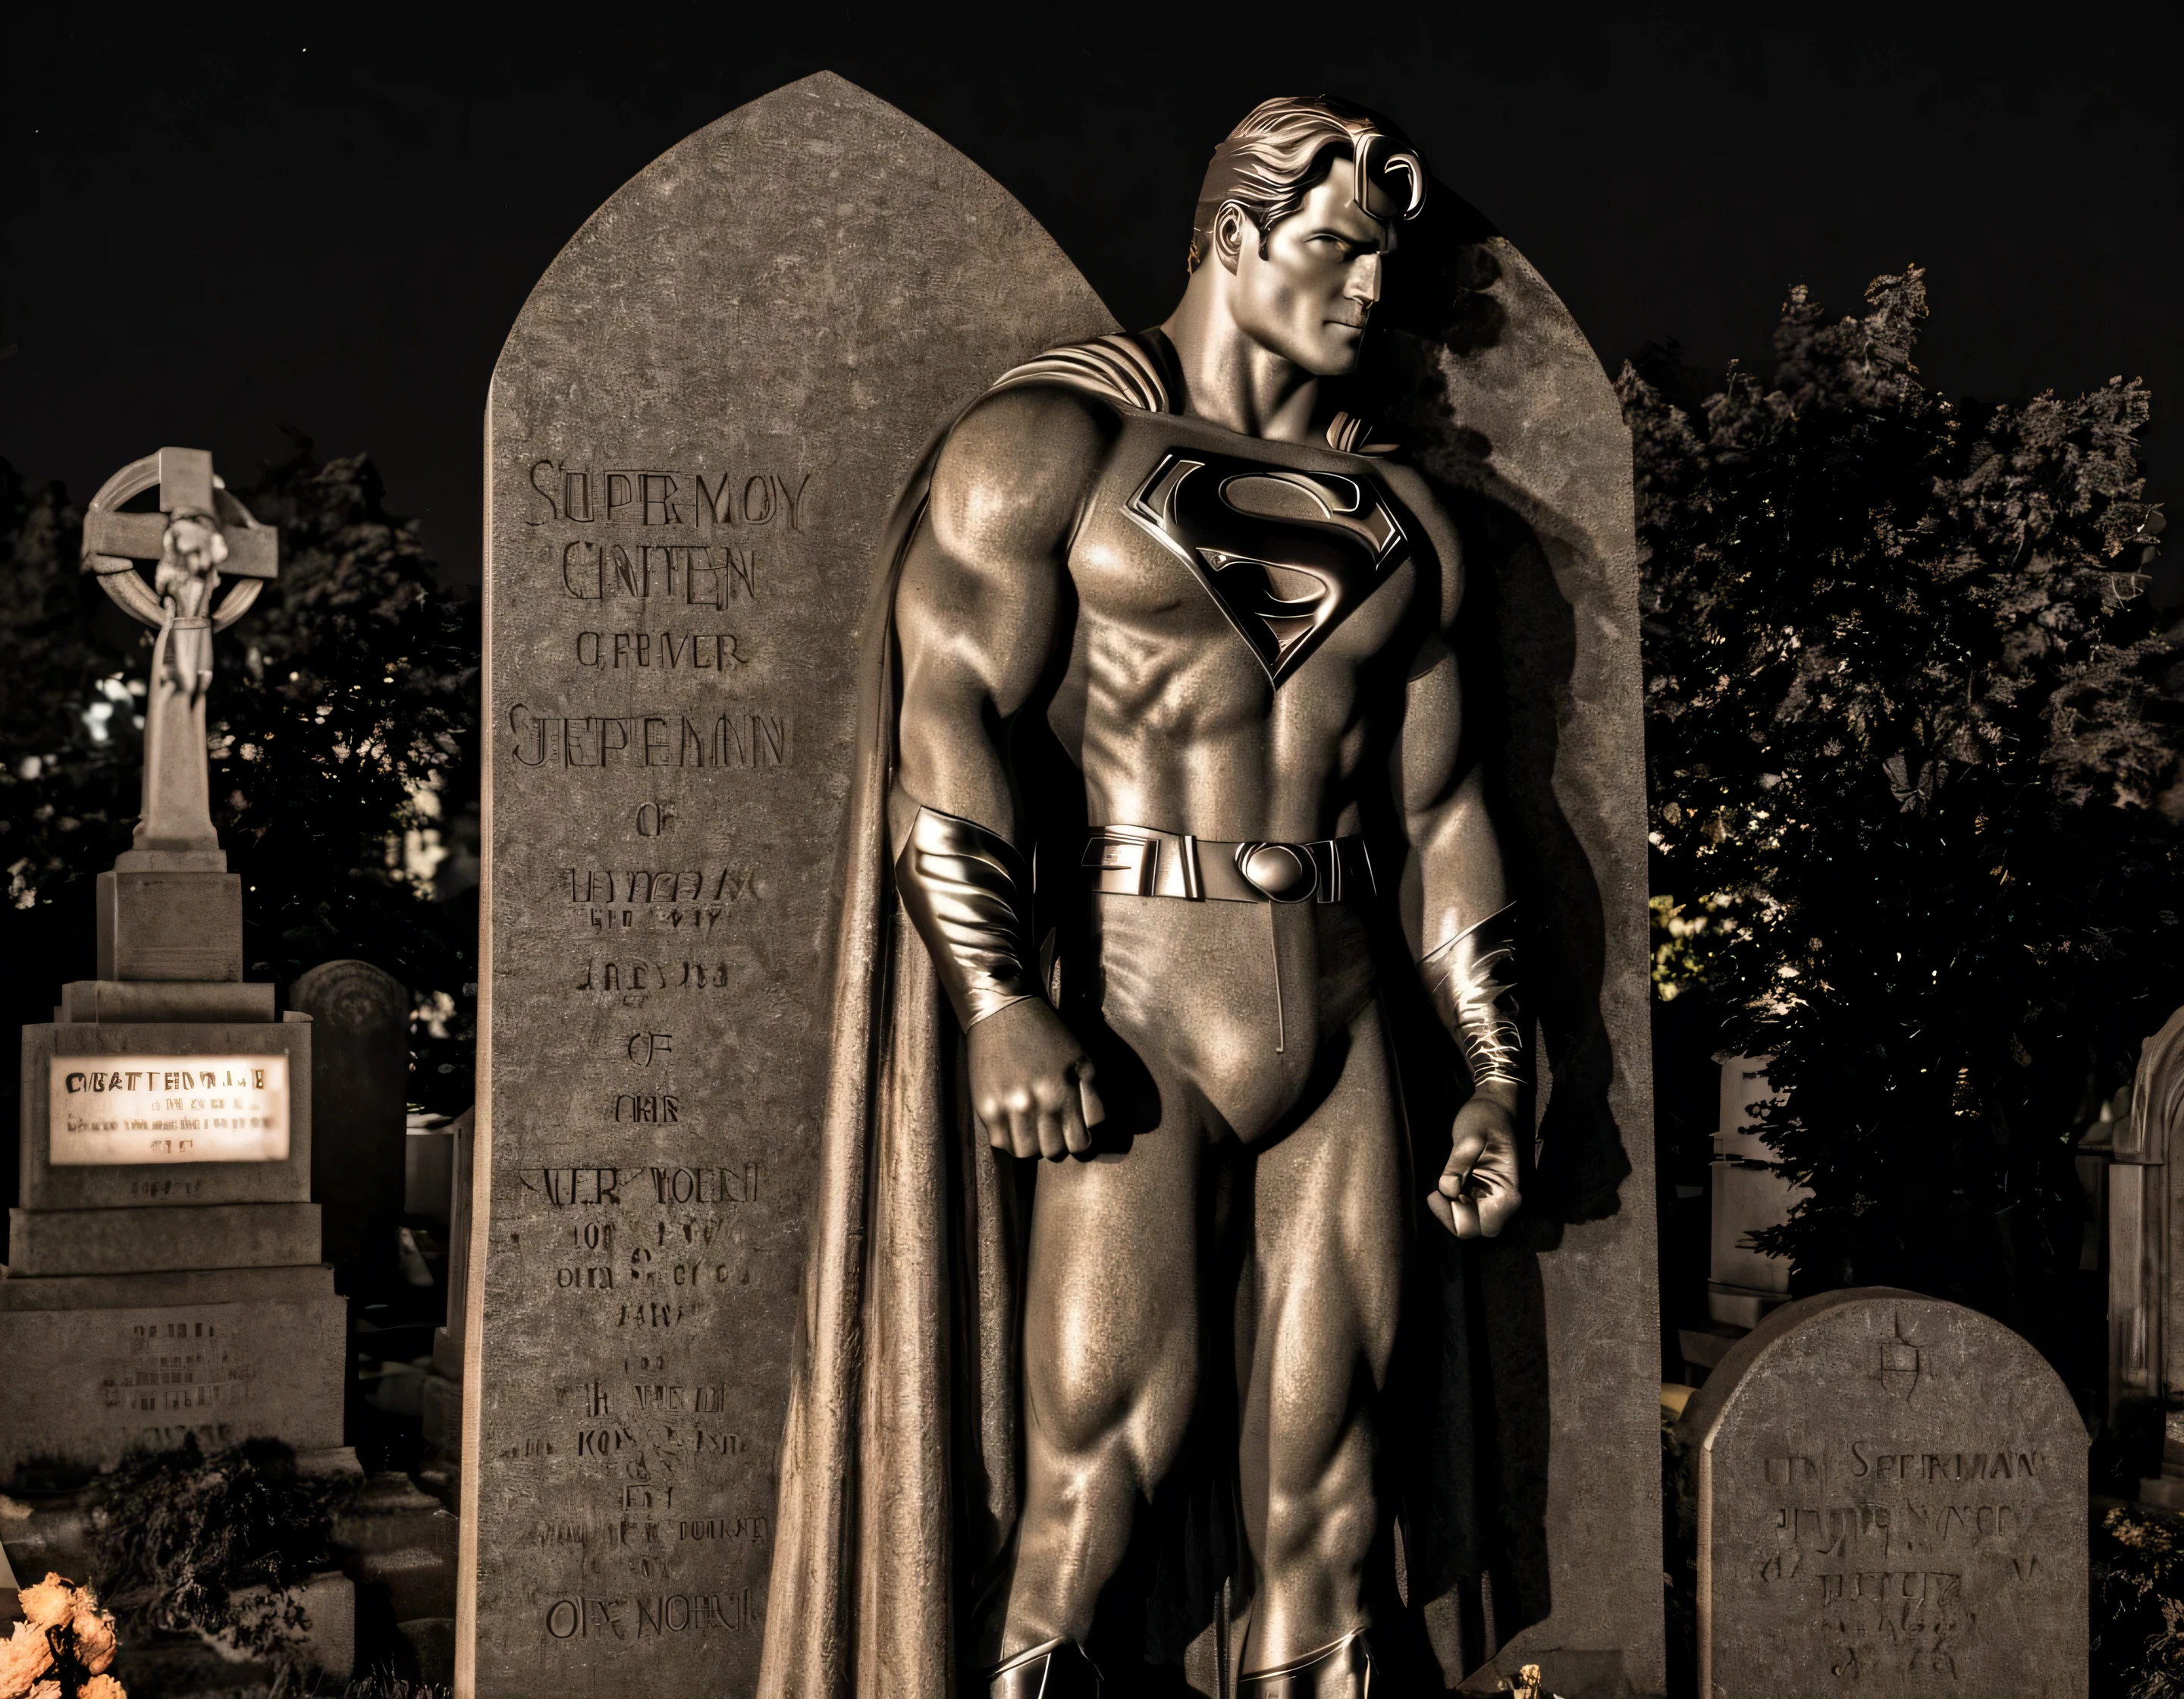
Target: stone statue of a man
{"type": "Point", "coordinates": [1166, 585]}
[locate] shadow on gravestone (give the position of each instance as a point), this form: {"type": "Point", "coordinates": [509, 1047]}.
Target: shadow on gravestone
{"type": "Point", "coordinates": [1892, 1497]}
{"type": "Point", "coordinates": [1514, 421]}
{"type": "Point", "coordinates": [360, 1085]}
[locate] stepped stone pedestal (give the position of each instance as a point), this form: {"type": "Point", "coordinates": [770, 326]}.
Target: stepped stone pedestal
{"type": "Point", "coordinates": [164, 1275]}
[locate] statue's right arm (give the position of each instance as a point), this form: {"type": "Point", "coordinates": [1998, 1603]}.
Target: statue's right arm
{"type": "Point", "coordinates": [982, 605]}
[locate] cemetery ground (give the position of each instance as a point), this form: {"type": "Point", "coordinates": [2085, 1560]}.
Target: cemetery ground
{"type": "Point", "coordinates": [1916, 831]}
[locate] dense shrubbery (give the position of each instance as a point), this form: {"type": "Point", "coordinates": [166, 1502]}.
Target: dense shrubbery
{"type": "Point", "coordinates": [2138, 1602]}
{"type": "Point", "coordinates": [1912, 747]}
{"type": "Point", "coordinates": [216, 1544]}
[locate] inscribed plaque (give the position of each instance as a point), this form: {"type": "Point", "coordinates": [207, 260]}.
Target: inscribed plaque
{"type": "Point", "coordinates": [130, 1109]}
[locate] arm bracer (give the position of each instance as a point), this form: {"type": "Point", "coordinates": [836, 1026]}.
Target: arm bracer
{"type": "Point", "coordinates": [968, 893]}
{"type": "Point", "coordinates": [1471, 979]}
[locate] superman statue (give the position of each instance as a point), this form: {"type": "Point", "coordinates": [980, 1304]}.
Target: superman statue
{"type": "Point", "coordinates": [1165, 774]}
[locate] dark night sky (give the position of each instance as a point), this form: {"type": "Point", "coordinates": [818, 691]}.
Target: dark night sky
{"type": "Point", "coordinates": [331, 222]}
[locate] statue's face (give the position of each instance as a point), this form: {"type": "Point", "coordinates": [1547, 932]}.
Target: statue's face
{"type": "Point", "coordinates": [1309, 299]}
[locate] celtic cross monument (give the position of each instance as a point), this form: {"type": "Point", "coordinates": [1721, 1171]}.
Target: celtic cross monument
{"type": "Point", "coordinates": [163, 1277]}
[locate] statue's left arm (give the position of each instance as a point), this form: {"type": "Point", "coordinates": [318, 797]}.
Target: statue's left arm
{"type": "Point", "coordinates": [1461, 921]}
{"type": "Point", "coordinates": [981, 607]}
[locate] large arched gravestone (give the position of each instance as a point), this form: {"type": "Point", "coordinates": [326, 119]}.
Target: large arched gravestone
{"type": "Point", "coordinates": [697, 430]}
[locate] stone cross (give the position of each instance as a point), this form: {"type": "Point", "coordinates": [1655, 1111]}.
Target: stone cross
{"type": "Point", "coordinates": [199, 532]}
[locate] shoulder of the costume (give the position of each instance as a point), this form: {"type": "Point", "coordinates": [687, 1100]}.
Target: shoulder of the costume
{"type": "Point", "coordinates": [1122, 369]}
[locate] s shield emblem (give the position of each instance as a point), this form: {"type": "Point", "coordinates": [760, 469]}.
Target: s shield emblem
{"type": "Point", "coordinates": [1285, 554]}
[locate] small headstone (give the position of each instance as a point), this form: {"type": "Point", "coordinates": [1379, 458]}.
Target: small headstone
{"type": "Point", "coordinates": [361, 1082]}
{"type": "Point", "coordinates": [442, 1398]}
{"type": "Point", "coordinates": [1892, 1495]}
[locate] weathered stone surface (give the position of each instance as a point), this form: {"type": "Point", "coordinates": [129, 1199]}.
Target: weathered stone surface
{"type": "Point", "coordinates": [440, 1397]}
{"type": "Point", "coordinates": [1747, 1198]}
{"type": "Point", "coordinates": [85, 1384]}
{"type": "Point", "coordinates": [1537, 461]}
{"type": "Point", "coordinates": [1891, 1498]}
{"type": "Point", "coordinates": [1744, 1088]}
{"type": "Point", "coordinates": [170, 926]}
{"type": "Point", "coordinates": [360, 1088]}
{"type": "Point", "coordinates": [695, 433]}
{"type": "Point", "coordinates": [447, 1348]}
{"type": "Point", "coordinates": [186, 1286]}
{"type": "Point", "coordinates": [427, 1172]}
{"type": "Point", "coordinates": [167, 1000]}
{"type": "Point", "coordinates": [108, 1241]}
{"type": "Point", "coordinates": [399, 1546]}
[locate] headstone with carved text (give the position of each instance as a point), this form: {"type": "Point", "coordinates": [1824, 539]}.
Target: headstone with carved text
{"type": "Point", "coordinates": [696, 431]}
{"type": "Point", "coordinates": [1892, 1495]}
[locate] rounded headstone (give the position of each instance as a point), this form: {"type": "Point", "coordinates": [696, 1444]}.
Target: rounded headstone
{"type": "Point", "coordinates": [359, 1094]}
{"type": "Point", "coordinates": [696, 432]}
{"type": "Point", "coordinates": [1892, 1494]}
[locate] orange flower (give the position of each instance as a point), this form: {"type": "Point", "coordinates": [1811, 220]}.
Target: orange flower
{"type": "Point", "coordinates": [26, 1655]}
{"type": "Point", "coordinates": [23, 1657]}
{"type": "Point", "coordinates": [50, 1603]}
{"type": "Point", "coordinates": [94, 1633]}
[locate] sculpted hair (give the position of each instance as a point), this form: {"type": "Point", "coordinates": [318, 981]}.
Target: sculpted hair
{"type": "Point", "coordinates": [1268, 163]}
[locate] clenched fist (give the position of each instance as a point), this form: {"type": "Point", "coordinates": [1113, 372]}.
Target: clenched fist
{"type": "Point", "coordinates": [1478, 1189]}
{"type": "Point", "coordinates": [1031, 1083]}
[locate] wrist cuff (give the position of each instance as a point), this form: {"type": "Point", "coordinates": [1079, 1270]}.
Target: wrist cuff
{"type": "Point", "coordinates": [966, 891]}
{"type": "Point", "coordinates": [1472, 982]}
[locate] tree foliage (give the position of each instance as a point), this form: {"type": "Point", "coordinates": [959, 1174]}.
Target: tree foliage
{"type": "Point", "coordinates": [2138, 1602]}
{"type": "Point", "coordinates": [1911, 740]}
{"type": "Point", "coordinates": [340, 736]}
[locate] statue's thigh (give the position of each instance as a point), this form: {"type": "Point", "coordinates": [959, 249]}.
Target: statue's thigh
{"type": "Point", "coordinates": [1111, 1306]}
{"type": "Point", "coordinates": [1328, 1237]}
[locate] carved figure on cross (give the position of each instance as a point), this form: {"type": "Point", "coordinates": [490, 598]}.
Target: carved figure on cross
{"type": "Point", "coordinates": [199, 533]}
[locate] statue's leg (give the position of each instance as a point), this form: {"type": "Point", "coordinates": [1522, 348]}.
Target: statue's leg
{"type": "Point", "coordinates": [1110, 1356]}
{"type": "Point", "coordinates": [1317, 1327]}
{"type": "Point", "coordinates": [1194, 992]}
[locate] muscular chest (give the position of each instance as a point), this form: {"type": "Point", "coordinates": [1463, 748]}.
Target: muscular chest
{"type": "Point", "coordinates": [1243, 574]}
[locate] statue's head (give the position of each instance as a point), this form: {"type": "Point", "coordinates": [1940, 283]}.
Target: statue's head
{"type": "Point", "coordinates": [1301, 207]}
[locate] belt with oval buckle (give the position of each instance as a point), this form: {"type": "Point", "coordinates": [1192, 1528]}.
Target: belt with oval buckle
{"type": "Point", "coordinates": [1143, 861]}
